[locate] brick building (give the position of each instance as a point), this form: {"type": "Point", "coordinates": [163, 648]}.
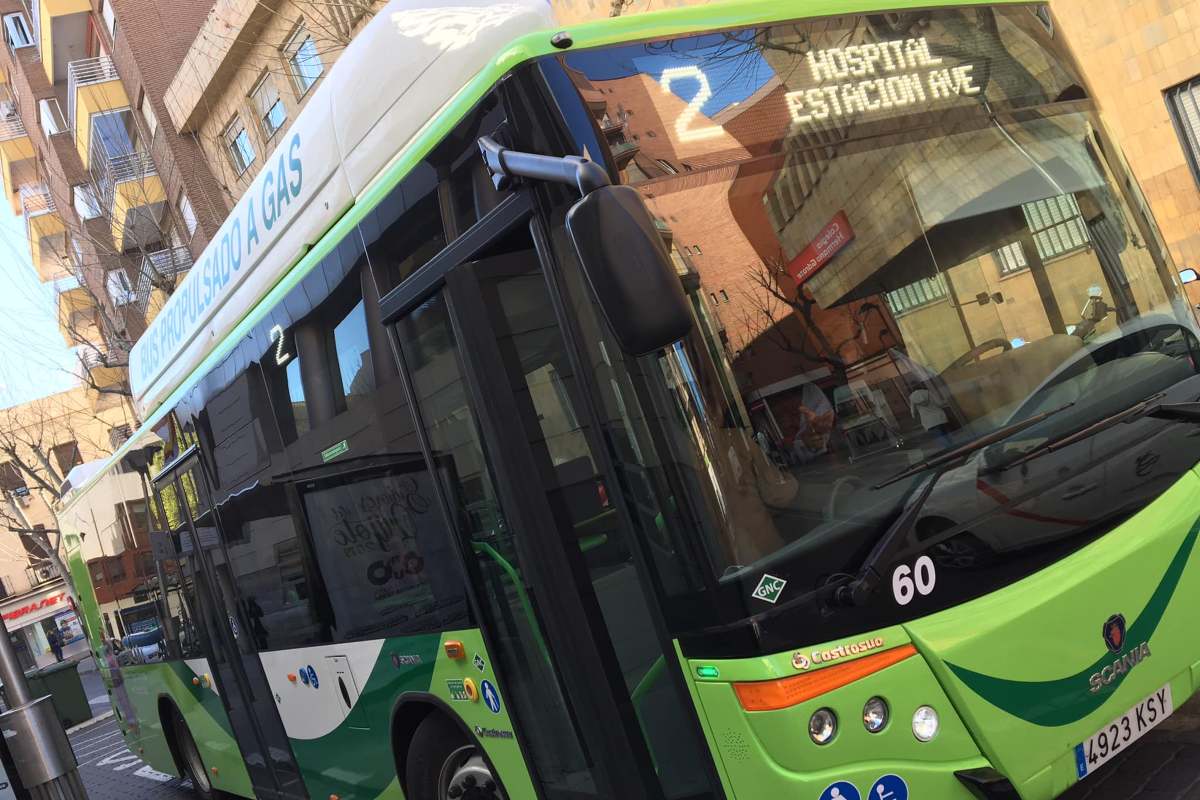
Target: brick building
{"type": "Point", "coordinates": [116, 203]}
{"type": "Point", "coordinates": [250, 69]}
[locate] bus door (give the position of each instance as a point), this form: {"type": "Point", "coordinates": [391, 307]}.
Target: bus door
{"type": "Point", "coordinates": [598, 708]}
{"type": "Point", "coordinates": [230, 652]}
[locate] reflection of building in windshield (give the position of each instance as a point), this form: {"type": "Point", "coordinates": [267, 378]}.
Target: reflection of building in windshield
{"type": "Point", "coordinates": [982, 250]}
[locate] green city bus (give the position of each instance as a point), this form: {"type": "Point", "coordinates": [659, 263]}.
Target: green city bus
{"type": "Point", "coordinates": [757, 399]}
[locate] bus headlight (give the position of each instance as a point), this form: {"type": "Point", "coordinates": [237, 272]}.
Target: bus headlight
{"type": "Point", "coordinates": [822, 726]}
{"type": "Point", "coordinates": [875, 715]}
{"type": "Point", "coordinates": [925, 723]}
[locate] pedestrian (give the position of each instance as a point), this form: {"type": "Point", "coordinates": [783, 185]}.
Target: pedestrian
{"type": "Point", "coordinates": [55, 640]}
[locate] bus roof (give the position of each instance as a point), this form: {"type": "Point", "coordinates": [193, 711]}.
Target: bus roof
{"type": "Point", "coordinates": [342, 156]}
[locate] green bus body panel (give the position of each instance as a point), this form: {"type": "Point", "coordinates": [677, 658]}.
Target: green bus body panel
{"type": "Point", "coordinates": [1044, 635]}
{"type": "Point", "coordinates": [1008, 674]}
{"type": "Point", "coordinates": [136, 691]}
{"type": "Point", "coordinates": [355, 759]}
{"type": "Point", "coordinates": [769, 753]}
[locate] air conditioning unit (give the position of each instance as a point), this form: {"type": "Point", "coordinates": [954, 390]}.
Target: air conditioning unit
{"type": "Point", "coordinates": [8, 109]}
{"type": "Point", "coordinates": [45, 573]}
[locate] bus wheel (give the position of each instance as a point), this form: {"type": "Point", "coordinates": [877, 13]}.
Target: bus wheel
{"type": "Point", "coordinates": [443, 765]}
{"type": "Point", "coordinates": [193, 765]}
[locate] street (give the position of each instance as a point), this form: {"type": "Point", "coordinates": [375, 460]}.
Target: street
{"type": "Point", "coordinates": [106, 766]}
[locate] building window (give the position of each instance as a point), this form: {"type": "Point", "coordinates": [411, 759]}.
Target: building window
{"type": "Point", "coordinates": [1056, 225]}
{"type": "Point", "coordinates": [148, 116]}
{"type": "Point", "coordinates": [110, 18]}
{"type": "Point", "coordinates": [50, 117]}
{"type": "Point", "coordinates": [1183, 101]}
{"type": "Point", "coordinates": [237, 142]}
{"type": "Point", "coordinates": [187, 213]}
{"type": "Point", "coordinates": [87, 205]}
{"type": "Point", "coordinates": [67, 455]}
{"type": "Point", "coordinates": [119, 290]}
{"type": "Point", "coordinates": [16, 31]}
{"type": "Point", "coordinates": [302, 57]}
{"type": "Point", "coordinates": [1011, 258]}
{"type": "Point", "coordinates": [271, 112]}
{"type": "Point", "coordinates": [917, 294]}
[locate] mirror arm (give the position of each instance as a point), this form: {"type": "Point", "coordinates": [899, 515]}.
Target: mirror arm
{"type": "Point", "coordinates": [504, 164]}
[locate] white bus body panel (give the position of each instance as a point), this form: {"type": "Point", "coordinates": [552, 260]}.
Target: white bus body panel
{"type": "Point", "coordinates": [383, 90]}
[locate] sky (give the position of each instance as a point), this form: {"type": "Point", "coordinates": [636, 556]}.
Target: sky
{"type": "Point", "coordinates": [734, 67]}
{"type": "Point", "coordinates": [34, 358]}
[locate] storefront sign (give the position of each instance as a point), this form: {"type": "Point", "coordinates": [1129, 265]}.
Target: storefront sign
{"type": "Point", "coordinates": [836, 234]}
{"type": "Point", "coordinates": [36, 609]}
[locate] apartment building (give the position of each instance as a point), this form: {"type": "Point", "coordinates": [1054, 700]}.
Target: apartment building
{"type": "Point", "coordinates": [116, 203]}
{"type": "Point", "coordinates": [41, 442]}
{"type": "Point", "coordinates": [248, 74]}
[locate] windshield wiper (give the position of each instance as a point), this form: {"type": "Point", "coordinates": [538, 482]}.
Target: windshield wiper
{"type": "Point", "coordinates": [858, 589]}
{"type": "Point", "coordinates": [965, 449]}
{"type": "Point", "coordinates": [1150, 407]}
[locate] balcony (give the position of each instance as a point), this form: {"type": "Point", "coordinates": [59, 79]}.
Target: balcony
{"type": "Point", "coordinates": [60, 29]}
{"type": "Point", "coordinates": [15, 148]}
{"type": "Point", "coordinates": [40, 573]}
{"type": "Point", "coordinates": [77, 320]}
{"type": "Point", "coordinates": [106, 367]}
{"type": "Point", "coordinates": [157, 267]}
{"type": "Point", "coordinates": [46, 232]}
{"type": "Point", "coordinates": [93, 85]}
{"type": "Point", "coordinates": [132, 193]}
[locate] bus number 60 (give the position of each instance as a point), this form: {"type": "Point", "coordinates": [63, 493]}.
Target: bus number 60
{"type": "Point", "coordinates": [908, 581]}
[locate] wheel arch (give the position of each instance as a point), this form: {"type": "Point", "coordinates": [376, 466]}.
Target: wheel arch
{"type": "Point", "coordinates": [167, 710]}
{"type": "Point", "coordinates": [408, 712]}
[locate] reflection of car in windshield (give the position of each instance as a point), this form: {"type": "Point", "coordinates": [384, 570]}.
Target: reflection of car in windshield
{"type": "Point", "coordinates": [1063, 491]}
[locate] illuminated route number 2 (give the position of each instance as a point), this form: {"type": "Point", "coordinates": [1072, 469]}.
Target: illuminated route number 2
{"type": "Point", "coordinates": [908, 582]}
{"type": "Point", "coordinates": [683, 126]}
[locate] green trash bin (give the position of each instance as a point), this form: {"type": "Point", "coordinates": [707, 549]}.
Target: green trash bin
{"type": "Point", "coordinates": [61, 681]}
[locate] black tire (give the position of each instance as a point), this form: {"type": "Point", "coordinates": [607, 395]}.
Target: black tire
{"type": "Point", "coordinates": [189, 760]}
{"type": "Point", "coordinates": [438, 747]}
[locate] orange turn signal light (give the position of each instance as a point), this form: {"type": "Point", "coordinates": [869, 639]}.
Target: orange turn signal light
{"type": "Point", "coordinates": [796, 689]}
{"type": "Point", "coordinates": [455, 650]}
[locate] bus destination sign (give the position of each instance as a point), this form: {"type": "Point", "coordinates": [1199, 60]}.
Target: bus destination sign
{"type": "Point", "coordinates": [864, 78]}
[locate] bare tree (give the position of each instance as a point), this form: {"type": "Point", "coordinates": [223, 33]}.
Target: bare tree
{"type": "Point", "coordinates": [29, 435]}
{"type": "Point", "coordinates": [785, 315]}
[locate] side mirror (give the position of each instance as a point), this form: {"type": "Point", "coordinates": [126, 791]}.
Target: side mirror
{"type": "Point", "coordinates": [622, 253]}
{"type": "Point", "coordinates": [629, 269]}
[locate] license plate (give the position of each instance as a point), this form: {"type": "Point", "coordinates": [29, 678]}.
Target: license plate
{"type": "Point", "coordinates": [1116, 736]}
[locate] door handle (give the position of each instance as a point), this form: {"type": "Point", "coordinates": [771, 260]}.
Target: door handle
{"type": "Point", "coordinates": [345, 692]}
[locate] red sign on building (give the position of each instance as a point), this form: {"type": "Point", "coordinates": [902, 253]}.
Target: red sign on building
{"type": "Point", "coordinates": [836, 234]}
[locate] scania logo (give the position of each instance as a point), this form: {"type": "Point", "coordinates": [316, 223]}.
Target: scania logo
{"type": "Point", "coordinates": [1122, 665]}
{"type": "Point", "coordinates": [1114, 632]}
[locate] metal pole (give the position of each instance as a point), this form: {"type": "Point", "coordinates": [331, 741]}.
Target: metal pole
{"type": "Point", "coordinates": [11, 672]}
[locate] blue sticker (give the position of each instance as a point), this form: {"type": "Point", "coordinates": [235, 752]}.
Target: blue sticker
{"type": "Point", "coordinates": [841, 790]}
{"type": "Point", "coordinates": [491, 698]}
{"type": "Point", "coordinates": [889, 787]}
{"type": "Point", "coordinates": [312, 677]}
{"type": "Point", "coordinates": [303, 676]}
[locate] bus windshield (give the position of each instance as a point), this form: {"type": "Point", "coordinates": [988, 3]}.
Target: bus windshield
{"type": "Point", "coordinates": [899, 232]}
